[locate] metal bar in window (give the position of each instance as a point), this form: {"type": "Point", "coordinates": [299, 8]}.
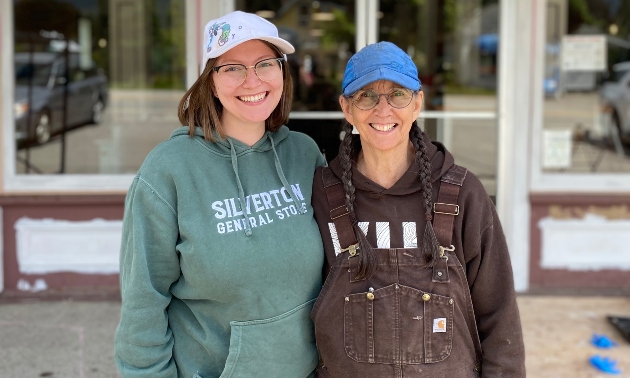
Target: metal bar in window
{"type": "Point", "coordinates": [423, 115]}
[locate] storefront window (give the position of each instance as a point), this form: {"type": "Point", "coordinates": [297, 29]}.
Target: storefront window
{"type": "Point", "coordinates": [586, 87]}
{"type": "Point", "coordinates": [323, 34]}
{"type": "Point", "coordinates": [97, 83]}
{"type": "Point", "coordinates": [454, 45]}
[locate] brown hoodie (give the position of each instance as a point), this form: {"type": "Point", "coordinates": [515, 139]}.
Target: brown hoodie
{"type": "Point", "coordinates": [399, 322]}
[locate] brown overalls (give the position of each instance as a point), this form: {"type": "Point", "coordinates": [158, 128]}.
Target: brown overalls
{"type": "Point", "coordinates": [409, 319]}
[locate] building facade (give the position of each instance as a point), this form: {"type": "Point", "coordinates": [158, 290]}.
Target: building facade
{"type": "Point", "coordinates": [531, 96]}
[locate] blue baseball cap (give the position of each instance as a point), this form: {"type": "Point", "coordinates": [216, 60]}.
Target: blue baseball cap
{"type": "Point", "coordinates": [380, 61]}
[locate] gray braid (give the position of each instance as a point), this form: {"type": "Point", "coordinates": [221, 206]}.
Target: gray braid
{"type": "Point", "coordinates": [429, 240]}
{"type": "Point", "coordinates": [367, 256]}
{"type": "Point", "coordinates": [422, 160]}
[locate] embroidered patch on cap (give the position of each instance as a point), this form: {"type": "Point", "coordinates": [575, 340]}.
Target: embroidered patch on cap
{"type": "Point", "coordinates": [439, 325]}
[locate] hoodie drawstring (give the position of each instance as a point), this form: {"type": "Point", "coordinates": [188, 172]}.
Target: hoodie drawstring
{"type": "Point", "coordinates": [285, 183]}
{"type": "Point", "coordinates": [241, 193]}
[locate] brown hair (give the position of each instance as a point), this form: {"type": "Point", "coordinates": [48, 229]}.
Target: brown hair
{"type": "Point", "coordinates": [350, 148]}
{"type": "Point", "coordinates": [199, 106]}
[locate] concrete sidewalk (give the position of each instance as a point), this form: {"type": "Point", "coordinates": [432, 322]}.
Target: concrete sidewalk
{"type": "Point", "coordinates": [75, 338]}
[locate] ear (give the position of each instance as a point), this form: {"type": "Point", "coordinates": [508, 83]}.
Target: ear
{"type": "Point", "coordinates": [346, 108]}
{"type": "Point", "coordinates": [417, 104]}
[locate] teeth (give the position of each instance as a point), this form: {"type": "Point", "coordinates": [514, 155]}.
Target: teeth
{"type": "Point", "coordinates": [253, 98]}
{"type": "Point", "coordinates": [383, 127]}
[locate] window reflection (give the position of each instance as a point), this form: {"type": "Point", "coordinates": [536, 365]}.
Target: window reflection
{"type": "Point", "coordinates": [97, 83]}
{"type": "Point", "coordinates": [586, 87]}
{"type": "Point", "coordinates": [323, 34]}
{"type": "Point", "coordinates": [453, 43]}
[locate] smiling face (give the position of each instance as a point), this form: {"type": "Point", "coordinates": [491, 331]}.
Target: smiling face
{"type": "Point", "coordinates": [383, 129]}
{"type": "Point", "coordinates": [247, 106]}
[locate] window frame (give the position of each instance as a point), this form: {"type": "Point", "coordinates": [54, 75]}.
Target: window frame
{"type": "Point", "coordinates": [13, 183]}
{"type": "Point", "coordinates": [550, 182]}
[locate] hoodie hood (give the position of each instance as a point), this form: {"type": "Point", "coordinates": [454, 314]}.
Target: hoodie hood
{"type": "Point", "coordinates": [441, 161]}
{"type": "Point", "coordinates": [223, 147]}
{"type": "Point", "coordinates": [232, 149]}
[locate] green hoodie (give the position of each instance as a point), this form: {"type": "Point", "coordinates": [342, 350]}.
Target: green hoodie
{"type": "Point", "coordinates": [205, 293]}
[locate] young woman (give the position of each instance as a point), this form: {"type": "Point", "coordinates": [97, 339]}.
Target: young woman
{"type": "Point", "coordinates": [221, 256]}
{"type": "Point", "coordinates": [419, 281]}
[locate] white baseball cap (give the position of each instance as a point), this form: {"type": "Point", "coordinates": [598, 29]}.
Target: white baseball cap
{"type": "Point", "coordinates": [234, 28]}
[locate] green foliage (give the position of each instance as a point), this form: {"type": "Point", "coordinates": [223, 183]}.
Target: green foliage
{"type": "Point", "coordinates": [340, 30]}
{"type": "Point", "coordinates": [580, 13]}
{"type": "Point", "coordinates": [450, 15]}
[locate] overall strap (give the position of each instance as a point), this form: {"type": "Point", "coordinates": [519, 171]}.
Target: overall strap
{"type": "Point", "coordinates": [339, 213]}
{"type": "Point", "coordinates": [444, 211]}
{"type": "Point", "coordinates": [446, 207]}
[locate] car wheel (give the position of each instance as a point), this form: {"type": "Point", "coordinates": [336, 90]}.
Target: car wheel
{"type": "Point", "coordinates": [97, 111]}
{"type": "Point", "coordinates": [43, 129]}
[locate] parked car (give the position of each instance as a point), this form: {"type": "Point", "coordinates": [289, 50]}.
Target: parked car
{"type": "Point", "coordinates": [615, 99]}
{"type": "Point", "coordinates": [41, 83]}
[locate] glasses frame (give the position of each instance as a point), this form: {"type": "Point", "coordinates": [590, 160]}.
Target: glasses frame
{"type": "Point", "coordinates": [217, 68]}
{"type": "Point", "coordinates": [378, 95]}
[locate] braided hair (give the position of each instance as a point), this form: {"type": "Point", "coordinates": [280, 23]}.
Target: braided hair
{"type": "Point", "coordinates": [350, 147]}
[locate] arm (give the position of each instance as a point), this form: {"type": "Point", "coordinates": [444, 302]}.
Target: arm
{"type": "Point", "coordinates": [149, 265]}
{"type": "Point", "coordinates": [492, 290]}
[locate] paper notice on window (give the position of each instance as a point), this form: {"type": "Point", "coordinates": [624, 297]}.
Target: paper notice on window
{"type": "Point", "coordinates": [557, 146]}
{"type": "Point", "coordinates": [584, 53]}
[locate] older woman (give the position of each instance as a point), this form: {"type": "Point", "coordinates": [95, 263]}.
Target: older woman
{"type": "Point", "coordinates": [419, 281]}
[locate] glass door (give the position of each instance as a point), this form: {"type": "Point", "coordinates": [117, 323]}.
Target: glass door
{"type": "Point", "coordinates": [323, 33]}
{"type": "Point", "coordinates": [454, 45]}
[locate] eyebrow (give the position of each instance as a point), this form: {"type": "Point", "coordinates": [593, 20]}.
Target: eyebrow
{"type": "Point", "coordinates": [260, 59]}
{"type": "Point", "coordinates": [374, 89]}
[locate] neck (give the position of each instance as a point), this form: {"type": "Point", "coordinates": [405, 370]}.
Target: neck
{"type": "Point", "coordinates": [384, 168]}
{"type": "Point", "coordinates": [248, 133]}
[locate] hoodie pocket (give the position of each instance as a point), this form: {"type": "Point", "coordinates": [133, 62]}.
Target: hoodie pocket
{"type": "Point", "coordinates": [282, 346]}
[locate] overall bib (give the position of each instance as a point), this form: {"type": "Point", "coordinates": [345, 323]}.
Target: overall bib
{"type": "Point", "coordinates": [410, 318]}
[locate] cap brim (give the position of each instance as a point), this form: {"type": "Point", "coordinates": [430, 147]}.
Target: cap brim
{"type": "Point", "coordinates": [382, 73]}
{"type": "Point", "coordinates": [284, 46]}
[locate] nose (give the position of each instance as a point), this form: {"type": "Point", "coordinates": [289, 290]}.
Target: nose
{"type": "Point", "coordinates": [382, 106]}
{"type": "Point", "coordinates": [251, 79]}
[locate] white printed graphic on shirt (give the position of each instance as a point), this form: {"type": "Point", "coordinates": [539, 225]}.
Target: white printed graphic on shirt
{"type": "Point", "coordinates": [364, 227]}
{"type": "Point", "coordinates": [335, 238]}
{"type": "Point", "coordinates": [383, 236]}
{"type": "Point", "coordinates": [262, 208]}
{"type": "Point", "coordinates": [410, 238]}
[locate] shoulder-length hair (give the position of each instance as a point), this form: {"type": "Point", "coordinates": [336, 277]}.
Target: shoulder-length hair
{"type": "Point", "coordinates": [199, 106]}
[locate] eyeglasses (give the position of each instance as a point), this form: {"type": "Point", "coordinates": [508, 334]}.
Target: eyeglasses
{"type": "Point", "coordinates": [398, 98]}
{"type": "Point", "coordinates": [233, 75]}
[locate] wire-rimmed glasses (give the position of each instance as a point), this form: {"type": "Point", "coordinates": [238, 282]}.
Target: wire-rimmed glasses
{"type": "Point", "coordinates": [397, 97]}
{"type": "Point", "coordinates": [233, 75]}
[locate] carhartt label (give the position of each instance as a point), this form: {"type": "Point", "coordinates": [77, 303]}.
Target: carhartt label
{"type": "Point", "coordinates": [439, 325]}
